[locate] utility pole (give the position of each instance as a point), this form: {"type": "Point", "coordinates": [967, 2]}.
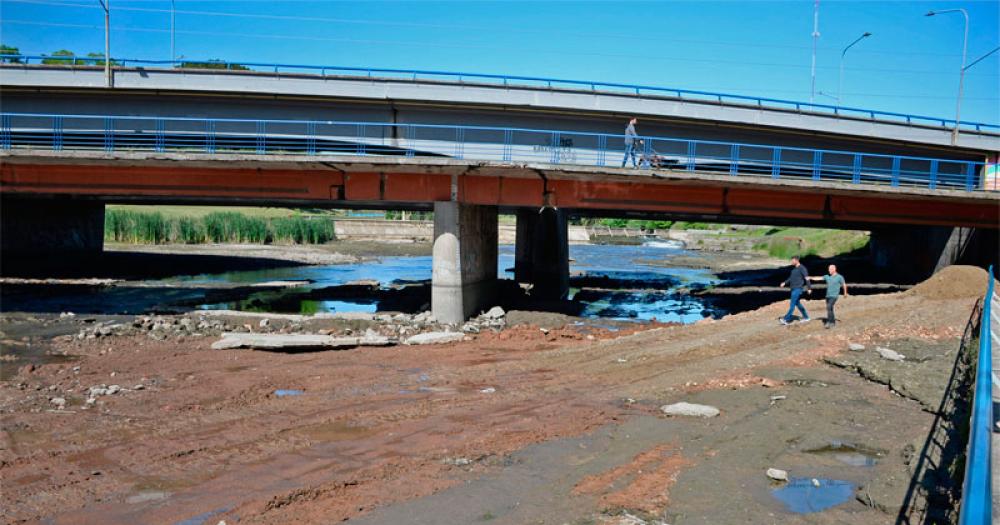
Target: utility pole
{"type": "Point", "coordinates": [173, 54]}
{"type": "Point", "coordinates": [815, 35]}
{"type": "Point", "coordinates": [106, 4]}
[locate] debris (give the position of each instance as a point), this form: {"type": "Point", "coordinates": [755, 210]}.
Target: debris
{"type": "Point", "coordinates": [231, 340]}
{"type": "Point", "coordinates": [431, 338]}
{"type": "Point", "coordinates": [458, 462]}
{"type": "Point", "coordinates": [488, 390]}
{"type": "Point", "coordinates": [815, 482]}
{"type": "Point", "coordinates": [889, 354]}
{"type": "Point", "coordinates": [855, 347]}
{"type": "Point", "coordinates": [494, 313]}
{"type": "Point", "coordinates": [777, 398]}
{"type": "Point", "coordinates": [114, 389]}
{"type": "Point", "coordinates": [59, 402]}
{"type": "Point", "coordinates": [140, 386]}
{"type": "Point", "coordinates": [288, 392]}
{"type": "Point", "coordinates": [621, 360]}
{"type": "Point", "coordinates": [264, 322]}
{"type": "Point", "coordinates": [689, 409]}
{"type": "Point", "coordinates": [777, 474]}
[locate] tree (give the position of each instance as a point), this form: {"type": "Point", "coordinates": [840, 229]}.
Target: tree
{"type": "Point", "coordinates": [98, 59]}
{"type": "Point", "coordinates": [9, 50]}
{"type": "Point", "coordinates": [215, 63]}
{"type": "Point", "coordinates": [60, 53]}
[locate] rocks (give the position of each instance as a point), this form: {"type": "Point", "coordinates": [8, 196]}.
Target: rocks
{"type": "Point", "coordinates": [264, 322]}
{"type": "Point", "coordinates": [777, 474]}
{"type": "Point", "coordinates": [889, 354]}
{"type": "Point", "coordinates": [494, 313]}
{"type": "Point", "coordinates": [59, 402]}
{"type": "Point", "coordinates": [689, 409]}
{"type": "Point", "coordinates": [434, 338]}
{"type": "Point", "coordinates": [856, 347]}
{"type": "Point", "coordinates": [488, 390]}
{"type": "Point", "coordinates": [114, 389]}
{"type": "Point", "coordinates": [67, 315]}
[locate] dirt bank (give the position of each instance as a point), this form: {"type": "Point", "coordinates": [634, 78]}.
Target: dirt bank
{"type": "Point", "coordinates": [522, 425]}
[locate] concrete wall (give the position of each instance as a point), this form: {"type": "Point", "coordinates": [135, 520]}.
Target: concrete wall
{"type": "Point", "coordinates": [423, 231]}
{"type": "Point", "coordinates": [915, 253]}
{"type": "Point", "coordinates": [463, 280]}
{"type": "Point", "coordinates": [42, 227]}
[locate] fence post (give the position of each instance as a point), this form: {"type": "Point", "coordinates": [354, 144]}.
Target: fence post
{"type": "Point", "coordinates": [895, 171]}
{"type": "Point", "coordinates": [554, 157]}
{"type": "Point", "coordinates": [310, 138]}
{"type": "Point", "coordinates": [160, 139]}
{"type": "Point", "coordinates": [602, 147]}
{"type": "Point", "coordinates": [776, 163]}
{"type": "Point", "coordinates": [261, 137]}
{"type": "Point", "coordinates": [508, 139]}
{"type": "Point", "coordinates": [57, 133]}
{"type": "Point", "coordinates": [647, 149]}
{"type": "Point", "coordinates": [109, 134]}
{"type": "Point", "coordinates": [856, 174]}
{"type": "Point", "coordinates": [691, 152]}
{"type": "Point", "coordinates": [5, 131]}
{"type": "Point", "coordinates": [734, 156]}
{"type": "Point", "coordinates": [459, 143]}
{"type": "Point", "coordinates": [934, 174]}
{"type": "Point", "coordinates": [817, 165]}
{"type": "Point", "coordinates": [210, 136]}
{"type": "Point", "coordinates": [409, 131]}
{"type": "Point", "coordinates": [970, 179]}
{"type": "Point", "coordinates": [360, 129]}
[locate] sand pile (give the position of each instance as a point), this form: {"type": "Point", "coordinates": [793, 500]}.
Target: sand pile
{"type": "Point", "coordinates": [953, 282]}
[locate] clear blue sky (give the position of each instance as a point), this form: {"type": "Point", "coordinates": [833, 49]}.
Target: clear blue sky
{"type": "Point", "coordinates": [910, 64]}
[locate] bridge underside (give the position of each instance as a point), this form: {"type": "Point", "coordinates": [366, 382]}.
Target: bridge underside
{"type": "Point", "coordinates": [49, 196]}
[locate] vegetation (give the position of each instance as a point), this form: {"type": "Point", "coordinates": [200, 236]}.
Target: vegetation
{"type": "Point", "coordinates": [395, 215]}
{"type": "Point", "coordinates": [9, 50]}
{"type": "Point", "coordinates": [153, 227]}
{"type": "Point", "coordinates": [783, 243]}
{"type": "Point", "coordinates": [214, 64]}
{"type": "Point", "coordinates": [61, 53]}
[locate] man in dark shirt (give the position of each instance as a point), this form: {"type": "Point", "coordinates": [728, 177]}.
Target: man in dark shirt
{"type": "Point", "coordinates": [798, 279]}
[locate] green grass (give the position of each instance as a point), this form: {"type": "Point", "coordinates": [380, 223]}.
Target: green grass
{"type": "Point", "coordinates": [154, 227]}
{"type": "Point", "coordinates": [783, 243]}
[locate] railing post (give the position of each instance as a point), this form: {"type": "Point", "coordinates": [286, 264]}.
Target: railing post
{"type": "Point", "coordinates": [647, 150]}
{"type": "Point", "coordinates": [970, 177]}
{"type": "Point", "coordinates": [109, 134]}
{"type": "Point", "coordinates": [817, 165]}
{"type": "Point", "coordinates": [160, 139]}
{"type": "Point", "coordinates": [602, 149]}
{"type": "Point", "coordinates": [895, 171]}
{"type": "Point", "coordinates": [5, 131]}
{"type": "Point", "coordinates": [692, 150]}
{"type": "Point", "coordinates": [409, 131]}
{"type": "Point", "coordinates": [459, 143]}
{"type": "Point", "coordinates": [508, 139]}
{"type": "Point", "coordinates": [310, 138]}
{"type": "Point", "coordinates": [934, 174]}
{"type": "Point", "coordinates": [554, 156]}
{"type": "Point", "coordinates": [734, 160]}
{"type": "Point", "coordinates": [776, 163]}
{"type": "Point", "coordinates": [261, 137]}
{"type": "Point", "coordinates": [856, 174]}
{"type": "Point", "coordinates": [57, 133]}
{"type": "Point", "coordinates": [361, 150]}
{"type": "Point", "coordinates": [210, 136]}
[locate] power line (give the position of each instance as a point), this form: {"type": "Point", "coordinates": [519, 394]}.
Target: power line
{"type": "Point", "coordinates": [298, 18]}
{"type": "Point", "coordinates": [475, 46]}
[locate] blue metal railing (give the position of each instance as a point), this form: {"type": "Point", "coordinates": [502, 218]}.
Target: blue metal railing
{"type": "Point", "coordinates": [516, 80]}
{"type": "Point", "coordinates": [977, 488]}
{"type": "Point", "coordinates": [482, 143]}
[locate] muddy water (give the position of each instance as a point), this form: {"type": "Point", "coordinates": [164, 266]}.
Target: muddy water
{"type": "Point", "coordinates": [620, 282]}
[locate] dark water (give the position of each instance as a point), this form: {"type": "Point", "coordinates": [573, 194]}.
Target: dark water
{"type": "Point", "coordinates": [802, 496]}
{"type": "Point", "coordinates": [629, 288]}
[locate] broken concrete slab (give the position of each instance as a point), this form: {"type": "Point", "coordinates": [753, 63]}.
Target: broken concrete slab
{"type": "Point", "coordinates": [434, 338]}
{"type": "Point", "coordinates": [689, 409]}
{"type": "Point", "coordinates": [231, 340]}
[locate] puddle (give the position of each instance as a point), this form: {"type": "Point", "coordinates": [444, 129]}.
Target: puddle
{"type": "Point", "coordinates": [336, 431]}
{"type": "Point", "coordinates": [147, 495]}
{"type": "Point", "coordinates": [801, 496]}
{"type": "Point", "coordinates": [284, 392]}
{"type": "Point", "coordinates": [27, 353]}
{"type": "Point", "coordinates": [849, 454]}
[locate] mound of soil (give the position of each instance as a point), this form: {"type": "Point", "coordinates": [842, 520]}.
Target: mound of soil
{"type": "Point", "coordinates": [953, 282]}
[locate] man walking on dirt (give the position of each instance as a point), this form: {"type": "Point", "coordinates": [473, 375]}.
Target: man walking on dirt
{"type": "Point", "coordinates": [798, 279]}
{"type": "Point", "coordinates": [630, 138]}
{"type": "Point", "coordinates": [834, 282]}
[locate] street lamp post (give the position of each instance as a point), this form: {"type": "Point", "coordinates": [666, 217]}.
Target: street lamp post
{"type": "Point", "coordinates": [815, 35]}
{"type": "Point", "coordinates": [961, 73]}
{"type": "Point", "coordinates": [173, 54]}
{"type": "Point", "coordinates": [106, 4]}
{"type": "Point", "coordinates": [840, 83]}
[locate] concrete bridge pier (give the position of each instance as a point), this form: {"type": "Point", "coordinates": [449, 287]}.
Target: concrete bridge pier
{"type": "Point", "coordinates": [541, 252]}
{"type": "Point", "coordinates": [914, 253]}
{"type": "Point", "coordinates": [464, 279]}
{"type": "Point", "coordinates": [46, 227]}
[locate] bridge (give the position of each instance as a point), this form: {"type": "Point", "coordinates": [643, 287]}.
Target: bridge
{"type": "Point", "coordinates": [928, 203]}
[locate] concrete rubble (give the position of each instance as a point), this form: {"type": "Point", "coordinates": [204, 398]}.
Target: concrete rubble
{"type": "Point", "coordinates": [434, 338]}
{"type": "Point", "coordinates": [689, 409]}
{"type": "Point", "coordinates": [889, 354]}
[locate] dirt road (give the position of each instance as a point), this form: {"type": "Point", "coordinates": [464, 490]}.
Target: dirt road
{"type": "Point", "coordinates": [523, 425]}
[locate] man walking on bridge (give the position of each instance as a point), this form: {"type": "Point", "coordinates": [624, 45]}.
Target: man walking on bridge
{"type": "Point", "coordinates": [798, 279]}
{"type": "Point", "coordinates": [630, 138]}
{"type": "Point", "coordinates": [834, 282]}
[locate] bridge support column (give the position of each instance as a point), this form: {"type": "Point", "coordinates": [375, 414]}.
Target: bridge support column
{"type": "Point", "coordinates": [465, 260]}
{"type": "Point", "coordinates": [914, 253]}
{"type": "Point", "coordinates": [45, 227]}
{"type": "Point", "coordinates": [541, 252]}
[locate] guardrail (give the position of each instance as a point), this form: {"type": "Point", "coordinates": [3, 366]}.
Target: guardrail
{"type": "Point", "coordinates": [977, 488]}
{"type": "Point", "coordinates": [517, 145]}
{"type": "Point", "coordinates": [513, 80]}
